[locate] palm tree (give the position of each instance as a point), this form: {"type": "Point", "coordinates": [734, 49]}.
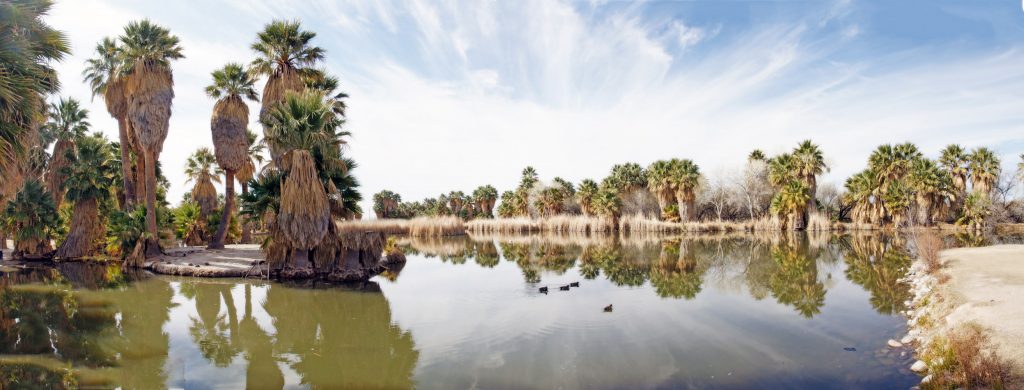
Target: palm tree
{"type": "Point", "coordinates": [628, 178]}
{"type": "Point", "coordinates": [102, 75]}
{"type": "Point", "coordinates": [285, 56]}
{"type": "Point", "coordinates": [31, 217]}
{"type": "Point", "coordinates": [68, 122]}
{"type": "Point", "coordinates": [148, 50]}
{"type": "Point", "coordinates": [28, 47]}
{"type": "Point", "coordinates": [756, 155]}
{"type": "Point", "coordinates": [932, 187]}
{"type": "Point", "coordinates": [809, 162]}
{"type": "Point", "coordinates": [328, 85]}
{"type": "Point", "coordinates": [659, 183]}
{"type": "Point", "coordinates": [685, 180]}
{"type": "Point", "coordinates": [861, 194]}
{"type": "Point", "coordinates": [585, 196]}
{"type": "Point", "coordinates": [254, 151]}
{"type": "Point", "coordinates": [781, 170]}
{"type": "Point", "coordinates": [231, 84]}
{"type": "Point", "coordinates": [977, 208]}
{"type": "Point", "coordinates": [606, 203]}
{"type": "Point", "coordinates": [953, 159]}
{"type": "Point", "coordinates": [89, 177]}
{"type": "Point", "coordinates": [201, 169]}
{"type": "Point", "coordinates": [385, 204]}
{"type": "Point", "coordinates": [527, 181]}
{"type": "Point", "coordinates": [485, 197]}
{"type": "Point", "coordinates": [306, 133]}
{"type": "Point", "coordinates": [790, 202]}
{"type": "Point", "coordinates": [984, 169]}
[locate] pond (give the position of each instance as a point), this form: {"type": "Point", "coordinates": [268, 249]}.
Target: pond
{"type": "Point", "coordinates": [735, 311]}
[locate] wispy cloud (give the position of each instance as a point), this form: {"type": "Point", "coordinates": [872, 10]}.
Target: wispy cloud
{"type": "Point", "coordinates": [451, 95]}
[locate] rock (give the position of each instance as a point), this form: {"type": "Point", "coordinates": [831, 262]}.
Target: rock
{"type": "Point", "coordinates": [927, 378]}
{"type": "Point", "coordinates": [918, 366]}
{"type": "Point", "coordinates": [903, 355]}
{"type": "Point", "coordinates": [914, 332]}
{"type": "Point", "coordinates": [895, 344]}
{"type": "Point", "coordinates": [907, 339]}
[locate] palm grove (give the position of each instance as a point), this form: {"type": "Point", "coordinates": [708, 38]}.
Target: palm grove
{"type": "Point", "coordinates": [899, 188]}
{"type": "Point", "coordinates": [91, 196]}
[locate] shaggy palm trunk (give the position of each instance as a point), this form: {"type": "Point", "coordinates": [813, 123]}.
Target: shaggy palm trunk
{"type": "Point", "coordinates": [84, 232]}
{"type": "Point", "coordinates": [126, 165]}
{"type": "Point", "coordinates": [685, 200]}
{"type": "Point", "coordinates": [139, 176]}
{"type": "Point", "coordinates": [305, 213]}
{"type": "Point", "coordinates": [153, 241]}
{"type": "Point", "coordinates": [55, 174]}
{"type": "Point", "coordinates": [225, 216]}
{"type": "Point", "coordinates": [924, 210]}
{"type": "Point", "coordinates": [811, 206]}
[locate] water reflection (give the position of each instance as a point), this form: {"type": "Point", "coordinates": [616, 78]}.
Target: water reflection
{"type": "Point", "coordinates": [706, 311]}
{"type": "Point", "coordinates": [53, 335]}
{"type": "Point", "coordinates": [783, 267]}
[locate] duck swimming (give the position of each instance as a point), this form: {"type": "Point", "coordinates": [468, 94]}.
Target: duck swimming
{"type": "Point", "coordinates": [608, 309]}
{"type": "Point", "coordinates": [564, 288]}
{"type": "Point", "coordinates": [544, 290]}
{"type": "Point", "coordinates": [574, 284]}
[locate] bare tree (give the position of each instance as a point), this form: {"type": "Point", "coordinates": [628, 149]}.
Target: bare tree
{"type": "Point", "coordinates": [752, 187]}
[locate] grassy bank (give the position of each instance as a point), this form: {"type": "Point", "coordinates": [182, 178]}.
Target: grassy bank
{"type": "Point", "coordinates": [418, 227]}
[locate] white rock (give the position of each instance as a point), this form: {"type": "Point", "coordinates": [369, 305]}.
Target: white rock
{"type": "Point", "coordinates": [895, 344]}
{"type": "Point", "coordinates": [907, 339]}
{"type": "Point", "coordinates": [918, 366]}
{"type": "Point", "coordinates": [914, 332]}
{"type": "Point", "coordinates": [927, 378]}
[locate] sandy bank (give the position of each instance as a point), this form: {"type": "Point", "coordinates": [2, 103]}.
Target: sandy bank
{"type": "Point", "coordinates": [973, 290]}
{"type": "Point", "coordinates": [234, 261]}
{"type": "Point", "coordinates": [986, 286]}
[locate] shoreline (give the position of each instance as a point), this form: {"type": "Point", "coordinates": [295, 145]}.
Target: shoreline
{"type": "Point", "coordinates": [968, 300]}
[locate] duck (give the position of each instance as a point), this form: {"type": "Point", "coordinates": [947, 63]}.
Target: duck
{"type": "Point", "coordinates": [574, 284]}
{"type": "Point", "coordinates": [608, 309]}
{"type": "Point", "coordinates": [544, 290]}
{"type": "Point", "coordinates": [564, 288]}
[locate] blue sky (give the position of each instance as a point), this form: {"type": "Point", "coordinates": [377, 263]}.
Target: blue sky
{"type": "Point", "coordinates": [454, 94]}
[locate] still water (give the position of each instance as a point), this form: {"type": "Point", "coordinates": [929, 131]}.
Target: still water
{"type": "Point", "coordinates": [708, 312]}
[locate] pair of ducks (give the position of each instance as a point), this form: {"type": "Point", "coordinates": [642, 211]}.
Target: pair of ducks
{"type": "Point", "coordinates": [544, 290]}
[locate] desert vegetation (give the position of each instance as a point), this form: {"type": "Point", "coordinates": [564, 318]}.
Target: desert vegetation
{"type": "Point", "coordinates": [900, 188]}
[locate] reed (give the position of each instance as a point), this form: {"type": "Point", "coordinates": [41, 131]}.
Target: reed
{"type": "Point", "coordinates": [420, 227]}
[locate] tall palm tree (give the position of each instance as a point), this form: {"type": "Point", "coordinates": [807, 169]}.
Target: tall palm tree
{"type": "Point", "coordinates": [201, 169]}
{"type": "Point", "coordinates": [89, 178]}
{"type": "Point", "coordinates": [247, 173]}
{"type": "Point", "coordinates": [685, 180]}
{"type": "Point", "coordinates": [608, 204]}
{"type": "Point", "coordinates": [102, 75]}
{"type": "Point", "coordinates": [809, 162]}
{"type": "Point", "coordinates": [485, 197]}
{"type": "Point", "coordinates": [306, 133]}
{"type": "Point", "coordinates": [68, 122]}
{"type": "Point", "coordinates": [781, 170]}
{"type": "Point", "coordinates": [585, 196]}
{"type": "Point", "coordinates": [932, 187]}
{"type": "Point", "coordinates": [231, 84]}
{"type": "Point", "coordinates": [953, 159]}
{"type": "Point", "coordinates": [148, 51]}
{"type": "Point", "coordinates": [285, 55]}
{"type": "Point", "coordinates": [659, 183]}
{"type": "Point", "coordinates": [984, 170]}
{"type": "Point", "coordinates": [28, 47]}
{"type": "Point", "coordinates": [862, 194]}
{"type": "Point", "coordinates": [528, 179]}
{"type": "Point", "coordinates": [790, 203]}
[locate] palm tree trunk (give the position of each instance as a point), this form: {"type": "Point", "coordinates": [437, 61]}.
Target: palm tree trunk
{"type": "Point", "coordinates": [153, 242]}
{"type": "Point", "coordinates": [225, 215]}
{"type": "Point", "coordinates": [84, 230]}
{"type": "Point", "coordinates": [126, 165]}
{"type": "Point", "coordinates": [138, 174]}
{"type": "Point", "coordinates": [246, 227]}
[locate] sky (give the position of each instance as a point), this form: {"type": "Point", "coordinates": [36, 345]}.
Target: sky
{"type": "Point", "coordinates": [450, 95]}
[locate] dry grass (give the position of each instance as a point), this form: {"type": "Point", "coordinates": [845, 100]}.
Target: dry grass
{"type": "Point", "coordinates": [518, 225]}
{"type": "Point", "coordinates": [419, 227]}
{"type": "Point", "coordinates": [928, 244]}
{"type": "Point", "coordinates": [963, 359]}
{"type": "Point", "coordinates": [639, 223]}
{"type": "Point", "coordinates": [305, 213]}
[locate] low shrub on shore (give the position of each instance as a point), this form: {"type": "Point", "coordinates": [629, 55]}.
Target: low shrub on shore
{"type": "Point", "coordinates": [928, 244]}
{"type": "Point", "coordinates": [962, 359]}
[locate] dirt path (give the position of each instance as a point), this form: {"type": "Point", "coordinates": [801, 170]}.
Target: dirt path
{"type": "Point", "coordinates": [986, 286]}
{"type": "Point", "coordinates": [234, 261]}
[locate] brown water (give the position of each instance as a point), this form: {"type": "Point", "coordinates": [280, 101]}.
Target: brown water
{"type": "Point", "coordinates": [723, 312]}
